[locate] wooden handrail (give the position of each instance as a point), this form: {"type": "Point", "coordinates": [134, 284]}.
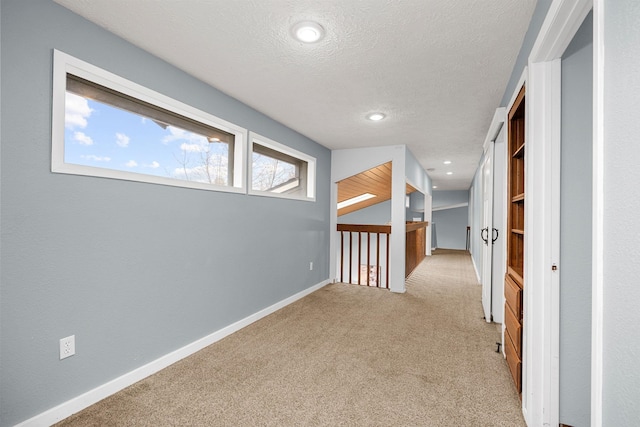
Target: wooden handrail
{"type": "Point", "coordinates": [363, 243]}
{"type": "Point", "coordinates": [364, 228]}
{"type": "Point", "coordinates": [413, 226]}
{"type": "Point", "coordinates": [414, 253]}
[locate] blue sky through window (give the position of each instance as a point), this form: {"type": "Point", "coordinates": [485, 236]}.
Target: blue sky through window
{"type": "Point", "coordinates": [100, 135]}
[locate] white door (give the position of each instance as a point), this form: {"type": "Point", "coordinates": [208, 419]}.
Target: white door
{"type": "Point", "coordinates": [487, 232]}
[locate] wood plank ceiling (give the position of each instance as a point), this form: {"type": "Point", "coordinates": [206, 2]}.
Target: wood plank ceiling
{"type": "Point", "coordinates": [376, 181]}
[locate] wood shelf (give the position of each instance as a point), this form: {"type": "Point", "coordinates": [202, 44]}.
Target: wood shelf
{"type": "Point", "coordinates": [519, 151]}
{"type": "Point", "coordinates": [514, 284]}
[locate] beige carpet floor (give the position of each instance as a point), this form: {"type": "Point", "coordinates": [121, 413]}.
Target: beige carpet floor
{"type": "Point", "coordinates": [345, 355]}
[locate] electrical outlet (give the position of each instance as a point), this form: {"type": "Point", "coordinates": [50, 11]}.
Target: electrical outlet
{"type": "Point", "coordinates": [67, 347]}
{"type": "Point", "coordinates": [310, 265]}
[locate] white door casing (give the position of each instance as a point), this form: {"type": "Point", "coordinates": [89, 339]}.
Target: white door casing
{"type": "Point", "coordinates": [488, 274]}
{"type": "Point", "coordinates": [540, 383]}
{"type": "Point", "coordinates": [487, 232]}
{"type": "Point", "coordinates": [500, 162]}
{"type": "Point", "coordinates": [428, 204]}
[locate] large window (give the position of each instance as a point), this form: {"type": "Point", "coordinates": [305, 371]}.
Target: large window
{"type": "Point", "coordinates": [104, 125]}
{"type": "Point", "coordinates": [279, 171]}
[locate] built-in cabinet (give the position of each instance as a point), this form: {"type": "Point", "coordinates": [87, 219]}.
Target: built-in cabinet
{"type": "Point", "coordinates": [514, 283]}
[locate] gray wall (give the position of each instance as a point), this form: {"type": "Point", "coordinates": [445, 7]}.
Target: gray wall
{"type": "Point", "coordinates": [378, 214]}
{"type": "Point", "coordinates": [448, 198]}
{"type": "Point", "coordinates": [575, 229]}
{"type": "Point", "coordinates": [621, 390]}
{"type": "Point", "coordinates": [450, 225]}
{"type": "Point", "coordinates": [134, 270]}
{"type": "Point", "coordinates": [416, 206]}
{"type": "Point", "coordinates": [539, 13]}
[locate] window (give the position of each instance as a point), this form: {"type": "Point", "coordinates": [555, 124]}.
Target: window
{"type": "Point", "coordinates": [279, 171]}
{"type": "Point", "coordinates": [106, 126]}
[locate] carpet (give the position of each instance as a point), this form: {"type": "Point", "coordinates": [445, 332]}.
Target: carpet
{"type": "Point", "coordinates": [345, 355]}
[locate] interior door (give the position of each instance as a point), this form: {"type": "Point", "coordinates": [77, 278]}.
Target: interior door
{"type": "Point", "coordinates": [487, 233]}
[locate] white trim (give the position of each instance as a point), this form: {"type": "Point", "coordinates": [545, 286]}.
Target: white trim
{"type": "Point", "coordinates": [521, 82]}
{"type": "Point", "coordinates": [540, 394]}
{"type": "Point", "coordinates": [397, 239]}
{"type": "Point", "coordinates": [497, 122]}
{"type": "Point", "coordinates": [87, 399]}
{"type": "Point", "coordinates": [64, 64]}
{"type": "Point", "coordinates": [542, 171]}
{"type": "Point", "coordinates": [444, 208]}
{"type": "Point", "coordinates": [274, 145]}
{"type": "Point", "coordinates": [597, 299]}
{"type": "Point", "coordinates": [505, 209]}
{"type": "Point", "coordinates": [428, 216]}
{"type": "Point", "coordinates": [473, 261]}
{"type": "Point", "coordinates": [560, 25]}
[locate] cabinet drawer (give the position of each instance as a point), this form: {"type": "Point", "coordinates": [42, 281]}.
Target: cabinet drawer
{"type": "Point", "coordinates": [513, 296]}
{"type": "Point", "coordinates": [514, 328]}
{"type": "Point", "coordinates": [514, 362]}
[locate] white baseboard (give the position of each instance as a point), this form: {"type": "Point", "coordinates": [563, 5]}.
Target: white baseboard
{"type": "Point", "coordinates": [87, 399]}
{"type": "Point", "coordinates": [473, 261]}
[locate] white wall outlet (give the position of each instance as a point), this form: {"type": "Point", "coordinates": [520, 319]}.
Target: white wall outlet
{"type": "Point", "coordinates": [67, 347]}
{"type": "Point", "coordinates": [310, 265]}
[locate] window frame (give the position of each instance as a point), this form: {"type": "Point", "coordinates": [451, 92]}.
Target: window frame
{"type": "Point", "coordinates": [64, 64]}
{"type": "Point", "coordinates": [309, 179]}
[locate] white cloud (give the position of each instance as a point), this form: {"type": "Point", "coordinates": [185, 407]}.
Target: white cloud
{"type": "Point", "coordinates": [177, 134]}
{"type": "Point", "coordinates": [76, 111]}
{"type": "Point", "coordinates": [131, 164]}
{"type": "Point", "coordinates": [122, 140]}
{"type": "Point", "coordinates": [82, 138]}
{"type": "Point", "coordinates": [154, 165]}
{"type": "Point", "coordinates": [96, 158]}
{"type": "Point", "coordinates": [202, 173]}
{"type": "Point", "coordinates": [192, 148]}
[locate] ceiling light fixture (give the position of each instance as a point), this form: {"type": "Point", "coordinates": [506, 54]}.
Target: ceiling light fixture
{"type": "Point", "coordinates": [308, 31]}
{"type": "Point", "coordinates": [435, 186]}
{"type": "Point", "coordinates": [447, 162]}
{"type": "Point", "coordinates": [449, 173]}
{"type": "Point", "coordinates": [376, 117]}
{"type": "Point", "coordinates": [354, 200]}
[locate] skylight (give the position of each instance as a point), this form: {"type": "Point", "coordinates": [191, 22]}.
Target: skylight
{"type": "Point", "coordinates": [354, 200]}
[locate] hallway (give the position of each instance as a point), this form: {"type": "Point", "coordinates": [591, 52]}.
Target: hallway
{"type": "Point", "coordinates": [344, 355]}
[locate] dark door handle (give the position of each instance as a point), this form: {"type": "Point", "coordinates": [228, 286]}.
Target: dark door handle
{"type": "Point", "coordinates": [482, 235]}
{"type": "Point", "coordinates": [495, 235]}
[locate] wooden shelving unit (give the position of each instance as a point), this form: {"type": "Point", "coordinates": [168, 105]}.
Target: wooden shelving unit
{"type": "Point", "coordinates": [514, 283]}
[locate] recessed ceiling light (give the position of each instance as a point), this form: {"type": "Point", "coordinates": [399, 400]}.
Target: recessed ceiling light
{"type": "Point", "coordinates": [376, 117]}
{"type": "Point", "coordinates": [449, 173]}
{"type": "Point", "coordinates": [435, 186]}
{"type": "Point", "coordinates": [447, 162]}
{"type": "Point", "coordinates": [308, 31]}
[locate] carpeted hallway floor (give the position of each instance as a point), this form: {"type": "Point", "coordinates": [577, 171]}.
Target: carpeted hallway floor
{"type": "Point", "coordinates": [344, 355]}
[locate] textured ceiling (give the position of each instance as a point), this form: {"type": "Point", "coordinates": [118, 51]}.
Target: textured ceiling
{"type": "Point", "coordinates": [436, 68]}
